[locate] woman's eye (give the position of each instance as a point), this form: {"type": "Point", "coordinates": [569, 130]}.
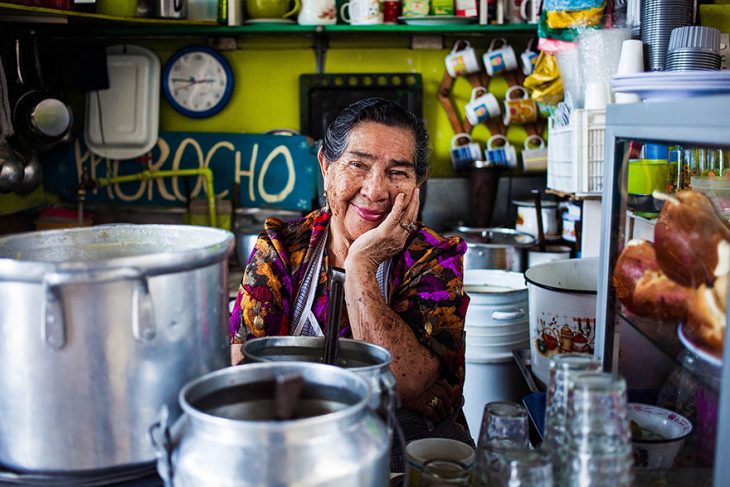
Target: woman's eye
{"type": "Point", "coordinates": [358, 165]}
{"type": "Point", "coordinates": [399, 174]}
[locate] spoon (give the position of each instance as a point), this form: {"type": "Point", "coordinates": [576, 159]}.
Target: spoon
{"type": "Point", "coordinates": [334, 309]}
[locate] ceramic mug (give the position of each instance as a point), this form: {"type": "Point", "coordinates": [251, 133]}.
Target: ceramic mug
{"type": "Point", "coordinates": [530, 11]}
{"type": "Point", "coordinates": [391, 11]}
{"type": "Point", "coordinates": [362, 12]}
{"type": "Point", "coordinates": [462, 59]}
{"type": "Point", "coordinates": [519, 110]}
{"type": "Point", "coordinates": [482, 106]}
{"type": "Point", "coordinates": [317, 12]}
{"type": "Point", "coordinates": [464, 151]}
{"type": "Point", "coordinates": [534, 158]}
{"type": "Point", "coordinates": [500, 57]}
{"type": "Point", "coordinates": [420, 451]}
{"type": "Point", "coordinates": [528, 58]}
{"type": "Point", "coordinates": [504, 156]}
{"type": "Point", "coordinates": [512, 12]}
{"type": "Point", "coordinates": [271, 9]}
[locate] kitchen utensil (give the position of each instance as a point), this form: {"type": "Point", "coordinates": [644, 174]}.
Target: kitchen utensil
{"type": "Point", "coordinates": [317, 12]}
{"type": "Point", "coordinates": [538, 211]}
{"type": "Point", "coordinates": [118, 126]}
{"type": "Point", "coordinates": [229, 435]}
{"type": "Point", "coordinates": [170, 9]}
{"type": "Point", "coordinates": [271, 9]}
{"type": "Point", "coordinates": [495, 248]}
{"type": "Point", "coordinates": [142, 308]}
{"type": "Point", "coordinates": [418, 452]}
{"type": "Point", "coordinates": [334, 310]}
{"type": "Point", "coordinates": [11, 170]}
{"type": "Point", "coordinates": [526, 220]}
{"type": "Point", "coordinates": [32, 175]}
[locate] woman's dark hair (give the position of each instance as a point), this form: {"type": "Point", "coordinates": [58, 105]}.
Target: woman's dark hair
{"type": "Point", "coordinates": [382, 111]}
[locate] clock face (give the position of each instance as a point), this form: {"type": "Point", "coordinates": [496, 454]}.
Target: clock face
{"type": "Point", "coordinates": [198, 82]}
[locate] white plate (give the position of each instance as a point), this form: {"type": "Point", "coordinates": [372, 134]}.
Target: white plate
{"type": "Point", "coordinates": [123, 121]}
{"type": "Point", "coordinates": [668, 85]}
{"type": "Point", "coordinates": [436, 19]}
{"type": "Point", "coordinates": [702, 354]}
{"type": "Point", "coordinates": [269, 21]}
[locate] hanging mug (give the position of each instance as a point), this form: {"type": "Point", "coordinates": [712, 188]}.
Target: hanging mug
{"type": "Point", "coordinates": [519, 110]}
{"type": "Point", "coordinates": [464, 154]}
{"type": "Point", "coordinates": [462, 59]}
{"type": "Point", "coordinates": [500, 57]}
{"type": "Point", "coordinates": [482, 106]}
{"type": "Point", "coordinates": [504, 156]}
{"type": "Point", "coordinates": [528, 58]}
{"type": "Point", "coordinates": [534, 158]}
{"type": "Point", "coordinates": [530, 10]}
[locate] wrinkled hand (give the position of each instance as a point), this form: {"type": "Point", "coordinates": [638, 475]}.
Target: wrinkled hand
{"type": "Point", "coordinates": [388, 238]}
{"type": "Point", "coordinates": [436, 403]}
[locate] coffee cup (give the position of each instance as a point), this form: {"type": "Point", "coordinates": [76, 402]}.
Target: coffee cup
{"type": "Point", "coordinates": [530, 11]}
{"type": "Point", "coordinates": [534, 158]}
{"type": "Point", "coordinates": [317, 12]}
{"type": "Point", "coordinates": [528, 58]}
{"type": "Point", "coordinates": [391, 11]}
{"type": "Point", "coordinates": [464, 151]}
{"type": "Point", "coordinates": [512, 11]}
{"type": "Point", "coordinates": [597, 95]}
{"type": "Point", "coordinates": [482, 106]}
{"type": "Point", "coordinates": [418, 452]}
{"type": "Point", "coordinates": [500, 57]}
{"type": "Point", "coordinates": [271, 9]}
{"type": "Point", "coordinates": [504, 156]}
{"type": "Point", "coordinates": [462, 59]}
{"type": "Point", "coordinates": [362, 12]}
{"type": "Point", "coordinates": [519, 110]}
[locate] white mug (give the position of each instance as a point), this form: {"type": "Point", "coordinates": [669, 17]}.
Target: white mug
{"type": "Point", "coordinates": [462, 59]}
{"type": "Point", "coordinates": [317, 12]}
{"type": "Point", "coordinates": [528, 58]}
{"type": "Point", "coordinates": [482, 106]}
{"type": "Point", "coordinates": [504, 156]}
{"type": "Point", "coordinates": [530, 10]}
{"type": "Point", "coordinates": [463, 154]}
{"type": "Point", "coordinates": [534, 158]}
{"type": "Point", "coordinates": [362, 12]}
{"type": "Point", "coordinates": [499, 58]}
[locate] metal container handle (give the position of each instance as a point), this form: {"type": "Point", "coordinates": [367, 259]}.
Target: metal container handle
{"type": "Point", "coordinates": [53, 327]}
{"type": "Point", "coordinates": [161, 440]}
{"type": "Point", "coordinates": [508, 315]}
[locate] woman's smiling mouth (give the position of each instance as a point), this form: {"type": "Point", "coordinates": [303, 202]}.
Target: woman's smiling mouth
{"type": "Point", "coordinates": [369, 215]}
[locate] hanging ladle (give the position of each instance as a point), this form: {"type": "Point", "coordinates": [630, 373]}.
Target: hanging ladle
{"type": "Point", "coordinates": [334, 309]}
{"type": "Point", "coordinates": [538, 213]}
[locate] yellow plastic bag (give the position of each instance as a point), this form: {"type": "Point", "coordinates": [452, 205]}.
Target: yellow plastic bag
{"type": "Point", "coordinates": [578, 18]}
{"type": "Point", "coordinates": [544, 84]}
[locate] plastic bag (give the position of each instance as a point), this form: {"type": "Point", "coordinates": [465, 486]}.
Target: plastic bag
{"type": "Point", "coordinates": [545, 84]}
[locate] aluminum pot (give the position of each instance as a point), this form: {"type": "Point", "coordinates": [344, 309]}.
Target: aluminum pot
{"type": "Point", "coordinates": [230, 434]}
{"type": "Point", "coordinates": [101, 327]}
{"type": "Point", "coordinates": [369, 361]}
{"type": "Point", "coordinates": [495, 248]}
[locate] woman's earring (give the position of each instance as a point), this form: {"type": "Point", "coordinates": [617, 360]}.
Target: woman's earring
{"type": "Point", "coordinates": [326, 202]}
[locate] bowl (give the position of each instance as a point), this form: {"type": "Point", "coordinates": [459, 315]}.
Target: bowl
{"type": "Point", "coordinates": [657, 435]}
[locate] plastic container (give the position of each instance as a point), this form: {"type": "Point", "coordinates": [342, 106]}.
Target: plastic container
{"type": "Point", "coordinates": [647, 176]}
{"type": "Point", "coordinates": [576, 153]}
{"type": "Point", "coordinates": [716, 188]}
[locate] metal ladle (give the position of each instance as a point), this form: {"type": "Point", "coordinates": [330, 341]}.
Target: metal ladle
{"type": "Point", "coordinates": [11, 169]}
{"type": "Point", "coordinates": [334, 309]}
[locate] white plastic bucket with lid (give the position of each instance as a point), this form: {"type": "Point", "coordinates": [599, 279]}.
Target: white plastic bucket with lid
{"type": "Point", "coordinates": [562, 304]}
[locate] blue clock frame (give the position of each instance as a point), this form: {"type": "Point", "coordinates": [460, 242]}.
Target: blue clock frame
{"type": "Point", "coordinates": [227, 94]}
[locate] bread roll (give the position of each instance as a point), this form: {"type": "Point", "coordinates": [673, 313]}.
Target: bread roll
{"type": "Point", "coordinates": [706, 321]}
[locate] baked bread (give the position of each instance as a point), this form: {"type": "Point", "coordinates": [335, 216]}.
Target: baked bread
{"type": "Point", "coordinates": [706, 320]}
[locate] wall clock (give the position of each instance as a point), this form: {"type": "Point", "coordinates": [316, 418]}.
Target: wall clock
{"type": "Point", "coordinates": [197, 81]}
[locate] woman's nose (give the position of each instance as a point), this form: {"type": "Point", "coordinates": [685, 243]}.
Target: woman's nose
{"type": "Point", "coordinates": [374, 186]}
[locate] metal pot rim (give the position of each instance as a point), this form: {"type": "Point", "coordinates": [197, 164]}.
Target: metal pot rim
{"type": "Point", "coordinates": [242, 374]}
{"type": "Point", "coordinates": [564, 290]}
{"type": "Point", "coordinates": [529, 240]}
{"type": "Point", "coordinates": [217, 243]}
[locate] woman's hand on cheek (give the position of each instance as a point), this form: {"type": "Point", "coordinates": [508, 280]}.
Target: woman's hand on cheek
{"type": "Point", "coordinates": [388, 238]}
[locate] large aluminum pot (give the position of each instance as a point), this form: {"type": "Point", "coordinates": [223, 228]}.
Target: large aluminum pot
{"type": "Point", "coordinates": [100, 327]}
{"type": "Point", "coordinates": [230, 434]}
{"type": "Point", "coordinates": [367, 360]}
{"type": "Point", "coordinates": [495, 248]}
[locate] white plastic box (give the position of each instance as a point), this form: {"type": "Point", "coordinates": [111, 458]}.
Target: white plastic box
{"type": "Point", "coordinates": [576, 153]}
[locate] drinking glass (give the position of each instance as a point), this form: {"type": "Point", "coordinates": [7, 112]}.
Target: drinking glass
{"type": "Point", "coordinates": [598, 448]}
{"type": "Point", "coordinates": [504, 463]}
{"type": "Point", "coordinates": [507, 420]}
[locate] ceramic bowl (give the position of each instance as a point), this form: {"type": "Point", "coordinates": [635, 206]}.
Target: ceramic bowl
{"type": "Point", "coordinates": [663, 433]}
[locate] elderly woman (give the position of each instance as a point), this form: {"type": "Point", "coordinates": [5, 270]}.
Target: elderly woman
{"type": "Point", "coordinates": [404, 285]}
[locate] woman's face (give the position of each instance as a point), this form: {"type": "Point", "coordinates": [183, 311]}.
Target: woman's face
{"type": "Point", "coordinates": [377, 164]}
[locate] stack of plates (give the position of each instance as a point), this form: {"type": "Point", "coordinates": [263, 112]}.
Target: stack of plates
{"type": "Point", "coordinates": [658, 19]}
{"type": "Point", "coordinates": [671, 85]}
{"type": "Point", "coordinates": [693, 48]}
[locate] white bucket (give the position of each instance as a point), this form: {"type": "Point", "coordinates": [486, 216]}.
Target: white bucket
{"type": "Point", "coordinates": [562, 296]}
{"type": "Point", "coordinates": [486, 381]}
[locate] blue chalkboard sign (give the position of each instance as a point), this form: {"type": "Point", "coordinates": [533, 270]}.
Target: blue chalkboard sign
{"type": "Point", "coordinates": [270, 170]}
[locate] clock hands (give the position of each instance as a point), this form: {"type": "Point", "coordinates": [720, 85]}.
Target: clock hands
{"type": "Point", "coordinates": [192, 81]}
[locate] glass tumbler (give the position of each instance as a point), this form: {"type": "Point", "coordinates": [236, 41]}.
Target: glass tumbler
{"type": "Point", "coordinates": [598, 448]}
{"type": "Point", "coordinates": [503, 419]}
{"type": "Point", "coordinates": [503, 463]}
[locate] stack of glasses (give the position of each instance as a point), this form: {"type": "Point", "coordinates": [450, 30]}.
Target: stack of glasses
{"type": "Point", "coordinates": [658, 19]}
{"type": "Point", "coordinates": [693, 48]}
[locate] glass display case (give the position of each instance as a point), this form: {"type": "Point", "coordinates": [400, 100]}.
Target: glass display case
{"type": "Point", "coordinates": [695, 135]}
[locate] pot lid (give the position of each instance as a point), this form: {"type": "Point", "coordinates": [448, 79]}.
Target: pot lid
{"type": "Point", "coordinates": [531, 203]}
{"type": "Point", "coordinates": [497, 237]}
